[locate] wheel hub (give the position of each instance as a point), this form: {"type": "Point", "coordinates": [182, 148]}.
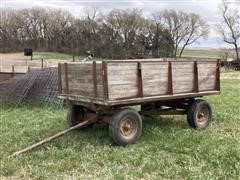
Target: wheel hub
{"type": "Point", "coordinates": [202, 115]}
{"type": "Point", "coordinates": [128, 128]}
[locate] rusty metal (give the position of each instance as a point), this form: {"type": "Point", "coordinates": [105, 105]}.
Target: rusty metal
{"type": "Point", "coordinates": [202, 115]}
{"type": "Point", "coordinates": [105, 79]}
{"type": "Point", "coordinates": [90, 120]}
{"type": "Point", "coordinates": [218, 76]}
{"type": "Point", "coordinates": [196, 87]}
{"type": "Point", "coordinates": [139, 80]}
{"type": "Point", "coordinates": [94, 69]}
{"type": "Point", "coordinates": [160, 111]}
{"type": "Point", "coordinates": [128, 127]}
{"type": "Point", "coordinates": [170, 82]}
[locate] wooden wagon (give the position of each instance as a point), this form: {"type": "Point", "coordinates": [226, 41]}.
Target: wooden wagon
{"type": "Point", "coordinates": [103, 92]}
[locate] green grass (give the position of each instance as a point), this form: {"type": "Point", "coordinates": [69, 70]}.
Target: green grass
{"type": "Point", "coordinates": [167, 149]}
{"type": "Point", "coordinates": [203, 53]}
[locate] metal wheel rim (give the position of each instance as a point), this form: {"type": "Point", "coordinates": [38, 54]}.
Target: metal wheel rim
{"type": "Point", "coordinates": [202, 115]}
{"type": "Point", "coordinates": [128, 127]}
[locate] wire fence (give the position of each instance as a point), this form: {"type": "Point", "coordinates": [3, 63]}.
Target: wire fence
{"type": "Point", "coordinates": [37, 86]}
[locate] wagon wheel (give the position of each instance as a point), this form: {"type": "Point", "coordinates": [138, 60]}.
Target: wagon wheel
{"type": "Point", "coordinates": [76, 116]}
{"type": "Point", "coordinates": [199, 114]}
{"type": "Point", "coordinates": [125, 127]}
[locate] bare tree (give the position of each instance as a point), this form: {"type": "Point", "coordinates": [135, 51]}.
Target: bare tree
{"type": "Point", "coordinates": [116, 34]}
{"type": "Point", "coordinates": [196, 28]}
{"type": "Point", "coordinates": [184, 28]}
{"type": "Point", "coordinates": [229, 28]}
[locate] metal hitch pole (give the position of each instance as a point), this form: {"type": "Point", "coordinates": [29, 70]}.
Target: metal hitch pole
{"type": "Point", "coordinates": [46, 140]}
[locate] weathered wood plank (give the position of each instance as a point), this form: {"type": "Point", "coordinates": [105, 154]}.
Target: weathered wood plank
{"type": "Point", "coordinates": [123, 91]}
{"type": "Point", "coordinates": [182, 89]}
{"type": "Point", "coordinates": [155, 90]}
{"type": "Point", "coordinates": [121, 66]}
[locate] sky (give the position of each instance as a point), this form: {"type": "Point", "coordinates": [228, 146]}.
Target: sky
{"type": "Point", "coordinates": [208, 9]}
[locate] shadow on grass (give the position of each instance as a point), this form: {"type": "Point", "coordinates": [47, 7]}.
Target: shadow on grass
{"type": "Point", "coordinates": [99, 135]}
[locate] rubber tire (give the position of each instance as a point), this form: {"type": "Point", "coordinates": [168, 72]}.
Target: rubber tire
{"type": "Point", "coordinates": [193, 109]}
{"type": "Point", "coordinates": [115, 123]}
{"type": "Point", "coordinates": [76, 115]}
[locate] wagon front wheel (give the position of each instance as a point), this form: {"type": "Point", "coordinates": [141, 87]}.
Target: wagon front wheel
{"type": "Point", "coordinates": [125, 127]}
{"type": "Point", "coordinates": [199, 114]}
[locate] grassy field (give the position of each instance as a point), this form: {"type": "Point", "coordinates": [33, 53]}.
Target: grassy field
{"type": "Point", "coordinates": [168, 148]}
{"type": "Point", "coordinates": [204, 53]}
{"type": "Point", "coordinates": [189, 52]}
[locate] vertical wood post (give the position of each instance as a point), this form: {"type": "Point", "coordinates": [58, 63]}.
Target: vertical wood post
{"type": "Point", "coordinates": [28, 68]}
{"type": "Point", "coordinates": [170, 82]}
{"type": "Point", "coordinates": [13, 70]}
{"type": "Point", "coordinates": [139, 80]}
{"type": "Point", "coordinates": [217, 85]}
{"type": "Point", "coordinates": [59, 79]}
{"type": "Point", "coordinates": [42, 63]}
{"type": "Point", "coordinates": [105, 80]}
{"type": "Point", "coordinates": [66, 78]}
{"type": "Point", "coordinates": [94, 69]}
{"type": "Point", "coordinates": [195, 87]}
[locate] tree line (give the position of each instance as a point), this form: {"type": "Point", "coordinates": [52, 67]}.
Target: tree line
{"type": "Point", "coordinates": [118, 34]}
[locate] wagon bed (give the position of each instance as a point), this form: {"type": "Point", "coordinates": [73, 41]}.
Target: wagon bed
{"type": "Point", "coordinates": [117, 82]}
{"type": "Point", "coordinates": [101, 92]}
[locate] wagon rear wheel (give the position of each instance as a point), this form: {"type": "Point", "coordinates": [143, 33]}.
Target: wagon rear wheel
{"type": "Point", "coordinates": [199, 114]}
{"type": "Point", "coordinates": [125, 127]}
{"type": "Point", "coordinates": [76, 115]}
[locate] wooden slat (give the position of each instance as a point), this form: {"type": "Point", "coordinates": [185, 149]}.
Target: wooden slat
{"type": "Point", "coordinates": [155, 89]}
{"type": "Point", "coordinates": [207, 84]}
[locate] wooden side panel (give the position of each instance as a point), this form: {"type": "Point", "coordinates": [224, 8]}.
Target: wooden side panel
{"type": "Point", "coordinates": [207, 76]}
{"type": "Point", "coordinates": [154, 78]}
{"type": "Point", "coordinates": [122, 80]}
{"type": "Point", "coordinates": [81, 79]}
{"type": "Point", "coordinates": [182, 77]}
{"type": "Point", "coordinates": [138, 79]}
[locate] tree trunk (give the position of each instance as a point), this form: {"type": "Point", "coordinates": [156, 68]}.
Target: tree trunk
{"type": "Point", "coordinates": [175, 51]}
{"type": "Point", "coordinates": [237, 53]}
{"type": "Point", "coordinates": [182, 50]}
